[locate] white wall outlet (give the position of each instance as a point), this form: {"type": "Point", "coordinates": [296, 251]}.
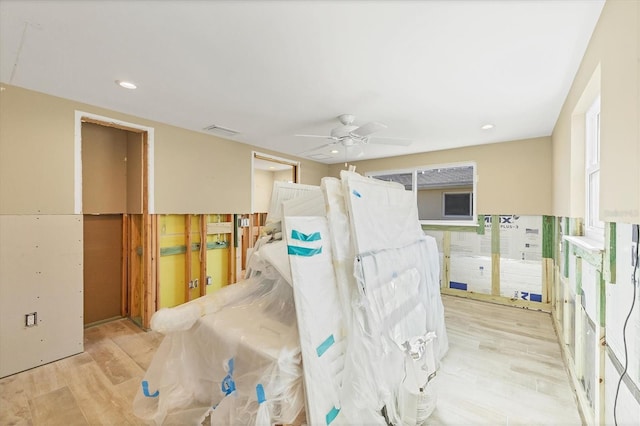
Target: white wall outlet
{"type": "Point", "coordinates": [31, 320]}
{"type": "Point", "coordinates": [209, 280]}
{"type": "Point", "coordinates": [195, 283]}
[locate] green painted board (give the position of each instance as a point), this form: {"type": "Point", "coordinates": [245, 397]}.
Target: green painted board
{"type": "Point", "coordinates": [547, 237]}
{"type": "Point", "coordinates": [173, 250]}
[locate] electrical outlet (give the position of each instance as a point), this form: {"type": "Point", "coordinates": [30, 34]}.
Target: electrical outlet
{"type": "Point", "coordinates": [190, 284]}
{"type": "Point", "coordinates": [209, 280]}
{"type": "Point", "coordinates": [31, 320]}
{"type": "Point", "coordinates": [195, 283]}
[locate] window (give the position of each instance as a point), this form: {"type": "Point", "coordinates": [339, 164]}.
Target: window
{"type": "Point", "coordinates": [594, 227]}
{"type": "Point", "coordinates": [444, 193]}
{"type": "Point", "coordinates": [457, 205]}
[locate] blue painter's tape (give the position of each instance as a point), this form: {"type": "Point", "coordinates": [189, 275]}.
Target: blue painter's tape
{"type": "Point", "coordinates": [303, 251]}
{"type": "Point", "coordinates": [457, 285]}
{"type": "Point", "coordinates": [145, 390]}
{"type": "Point", "coordinates": [325, 345]}
{"type": "Point", "coordinates": [331, 415]}
{"type": "Point", "coordinates": [535, 297]}
{"type": "Point", "coordinates": [228, 385]}
{"type": "Point", "coordinates": [357, 194]}
{"type": "Point", "coordinates": [297, 235]}
{"type": "Point", "coordinates": [260, 393]}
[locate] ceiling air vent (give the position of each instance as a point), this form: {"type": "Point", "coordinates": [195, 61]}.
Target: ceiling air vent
{"type": "Point", "coordinates": [221, 131]}
{"type": "Point", "coordinates": [319, 156]}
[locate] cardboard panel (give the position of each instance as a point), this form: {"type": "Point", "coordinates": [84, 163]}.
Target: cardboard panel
{"type": "Point", "coordinates": [104, 169]}
{"type": "Point", "coordinates": [102, 267]}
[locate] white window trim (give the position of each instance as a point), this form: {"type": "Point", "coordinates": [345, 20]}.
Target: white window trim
{"type": "Point", "coordinates": [592, 165]}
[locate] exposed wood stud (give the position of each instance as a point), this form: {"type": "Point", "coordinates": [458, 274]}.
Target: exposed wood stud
{"type": "Point", "coordinates": [124, 308]}
{"type": "Point", "coordinates": [203, 254]}
{"type": "Point", "coordinates": [495, 255]}
{"type": "Point", "coordinates": [446, 267]}
{"type": "Point", "coordinates": [187, 257]}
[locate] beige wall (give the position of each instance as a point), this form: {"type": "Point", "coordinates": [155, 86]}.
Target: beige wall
{"type": "Point", "coordinates": [513, 177]}
{"type": "Point", "coordinates": [194, 172]}
{"type": "Point", "coordinates": [262, 188]}
{"type": "Point", "coordinates": [615, 48]}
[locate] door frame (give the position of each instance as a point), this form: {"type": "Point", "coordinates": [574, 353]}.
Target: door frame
{"type": "Point", "coordinates": [149, 239]}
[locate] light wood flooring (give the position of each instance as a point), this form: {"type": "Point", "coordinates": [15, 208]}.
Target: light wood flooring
{"type": "Point", "coordinates": [504, 367]}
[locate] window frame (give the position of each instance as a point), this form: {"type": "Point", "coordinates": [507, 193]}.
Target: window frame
{"type": "Point", "coordinates": [593, 226]}
{"type": "Point", "coordinates": [459, 221]}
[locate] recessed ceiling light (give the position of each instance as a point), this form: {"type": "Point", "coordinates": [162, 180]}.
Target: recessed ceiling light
{"type": "Point", "coordinates": [126, 84]}
{"type": "Point", "coordinates": [334, 151]}
{"type": "Point", "coordinates": [487, 127]}
{"type": "Point", "coordinates": [271, 167]}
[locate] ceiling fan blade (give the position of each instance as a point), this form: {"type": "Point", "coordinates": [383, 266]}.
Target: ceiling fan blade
{"type": "Point", "coordinates": [367, 129]}
{"type": "Point", "coordinates": [315, 136]}
{"type": "Point", "coordinates": [390, 141]}
{"type": "Point", "coordinates": [317, 148]}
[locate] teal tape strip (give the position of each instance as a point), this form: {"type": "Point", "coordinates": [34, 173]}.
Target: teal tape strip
{"type": "Point", "coordinates": [331, 415]}
{"type": "Point", "coordinates": [260, 393]}
{"type": "Point", "coordinates": [325, 345]}
{"type": "Point", "coordinates": [297, 235]}
{"type": "Point", "coordinates": [303, 251]}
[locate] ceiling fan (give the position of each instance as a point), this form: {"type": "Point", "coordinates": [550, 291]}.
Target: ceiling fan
{"type": "Point", "coordinates": [349, 135]}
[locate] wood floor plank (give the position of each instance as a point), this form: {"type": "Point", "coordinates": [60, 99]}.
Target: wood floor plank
{"type": "Point", "coordinates": [57, 407]}
{"type": "Point", "coordinates": [114, 362]}
{"type": "Point", "coordinates": [98, 398]}
{"type": "Point", "coordinates": [504, 367]}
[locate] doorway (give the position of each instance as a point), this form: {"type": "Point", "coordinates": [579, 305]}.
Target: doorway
{"type": "Point", "coordinates": [117, 226]}
{"type": "Point", "coordinates": [266, 169]}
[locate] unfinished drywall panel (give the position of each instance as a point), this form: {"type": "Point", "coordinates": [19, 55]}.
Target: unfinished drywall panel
{"type": "Point", "coordinates": [104, 169]}
{"type": "Point", "coordinates": [521, 185]}
{"type": "Point", "coordinates": [41, 263]}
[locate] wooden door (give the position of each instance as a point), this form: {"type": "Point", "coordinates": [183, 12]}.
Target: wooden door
{"type": "Point", "coordinates": [102, 267]}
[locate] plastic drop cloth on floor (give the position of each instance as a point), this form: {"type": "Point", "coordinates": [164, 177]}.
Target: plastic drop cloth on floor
{"type": "Point", "coordinates": [233, 354]}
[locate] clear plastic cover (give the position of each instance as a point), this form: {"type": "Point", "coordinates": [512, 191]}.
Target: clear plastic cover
{"type": "Point", "coordinates": [233, 354]}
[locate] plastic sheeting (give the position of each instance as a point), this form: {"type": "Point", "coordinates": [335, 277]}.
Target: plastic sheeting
{"type": "Point", "coordinates": [233, 354]}
{"type": "Point", "coordinates": [366, 288]}
{"type": "Point", "coordinates": [397, 270]}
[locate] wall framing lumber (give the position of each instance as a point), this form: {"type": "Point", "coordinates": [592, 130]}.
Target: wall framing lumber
{"type": "Point", "coordinates": [501, 300]}
{"type": "Point", "coordinates": [124, 306]}
{"type": "Point", "coordinates": [203, 254]}
{"type": "Point", "coordinates": [495, 255]}
{"type": "Point", "coordinates": [187, 257]}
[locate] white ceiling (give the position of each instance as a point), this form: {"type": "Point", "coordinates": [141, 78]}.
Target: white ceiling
{"type": "Point", "coordinates": [432, 71]}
